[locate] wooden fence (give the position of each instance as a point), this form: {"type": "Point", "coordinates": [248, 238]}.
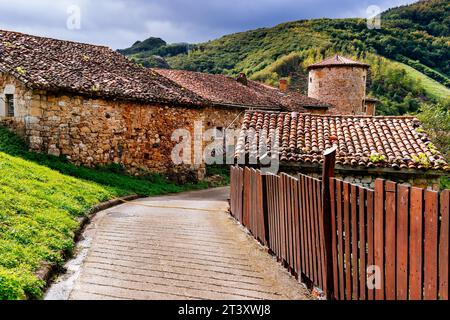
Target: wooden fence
{"type": "Point", "coordinates": [402, 230]}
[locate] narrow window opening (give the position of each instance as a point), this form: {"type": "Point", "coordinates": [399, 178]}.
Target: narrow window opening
{"type": "Point", "coordinates": [9, 98]}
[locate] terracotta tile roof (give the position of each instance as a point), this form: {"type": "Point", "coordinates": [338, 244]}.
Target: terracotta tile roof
{"type": "Point", "coordinates": [223, 90]}
{"type": "Point", "coordinates": [304, 137]}
{"type": "Point", "coordinates": [56, 65]}
{"type": "Point", "coordinates": [338, 61]}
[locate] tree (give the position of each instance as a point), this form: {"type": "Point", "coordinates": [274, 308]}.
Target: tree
{"type": "Point", "coordinates": [436, 121]}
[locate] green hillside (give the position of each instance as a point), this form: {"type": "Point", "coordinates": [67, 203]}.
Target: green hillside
{"type": "Point", "coordinates": [416, 37]}
{"type": "Point", "coordinates": [432, 88]}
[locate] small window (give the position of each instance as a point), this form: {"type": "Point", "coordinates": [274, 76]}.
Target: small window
{"type": "Point", "coordinates": [9, 98]}
{"type": "Point", "coordinates": [310, 80]}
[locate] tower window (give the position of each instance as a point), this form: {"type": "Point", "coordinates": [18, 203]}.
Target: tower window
{"type": "Point", "coordinates": [9, 99]}
{"type": "Point", "coordinates": [219, 132]}
{"type": "Point", "coordinates": [310, 80]}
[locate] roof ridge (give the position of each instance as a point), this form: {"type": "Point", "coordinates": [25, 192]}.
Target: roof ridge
{"type": "Point", "coordinates": [54, 39]}
{"type": "Point", "coordinates": [333, 115]}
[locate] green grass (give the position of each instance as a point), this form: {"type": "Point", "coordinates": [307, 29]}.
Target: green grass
{"type": "Point", "coordinates": [41, 198]}
{"type": "Point", "coordinates": [432, 88]}
{"type": "Point", "coordinates": [445, 182]}
{"type": "Point", "coordinates": [219, 170]}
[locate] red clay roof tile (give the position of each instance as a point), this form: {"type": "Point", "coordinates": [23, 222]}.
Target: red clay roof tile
{"type": "Point", "coordinates": [223, 90]}
{"type": "Point", "coordinates": [359, 139]}
{"type": "Point", "coordinates": [57, 65]}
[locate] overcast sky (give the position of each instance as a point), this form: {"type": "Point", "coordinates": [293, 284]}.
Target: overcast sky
{"type": "Point", "coordinates": [119, 23]}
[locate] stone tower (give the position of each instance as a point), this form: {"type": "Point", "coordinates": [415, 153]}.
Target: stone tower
{"type": "Point", "coordinates": [340, 82]}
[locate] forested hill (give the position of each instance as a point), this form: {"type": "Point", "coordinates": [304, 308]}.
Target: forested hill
{"type": "Point", "coordinates": [409, 55]}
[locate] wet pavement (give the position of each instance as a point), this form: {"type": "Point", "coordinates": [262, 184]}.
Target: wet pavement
{"type": "Point", "coordinates": [183, 246]}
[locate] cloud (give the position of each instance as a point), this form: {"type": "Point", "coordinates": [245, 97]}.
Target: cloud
{"type": "Point", "coordinates": [119, 23]}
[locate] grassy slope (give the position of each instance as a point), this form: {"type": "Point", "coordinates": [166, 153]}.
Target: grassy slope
{"type": "Point", "coordinates": [40, 199]}
{"type": "Point", "coordinates": [431, 87]}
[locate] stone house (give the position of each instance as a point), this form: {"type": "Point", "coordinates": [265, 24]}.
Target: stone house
{"type": "Point", "coordinates": [368, 147]}
{"type": "Point", "coordinates": [94, 106]}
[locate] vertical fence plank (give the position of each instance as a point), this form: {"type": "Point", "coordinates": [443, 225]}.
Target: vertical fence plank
{"type": "Point", "coordinates": [266, 210]}
{"type": "Point", "coordinates": [326, 217]}
{"type": "Point", "coordinates": [354, 239]}
{"type": "Point", "coordinates": [303, 250]}
{"type": "Point", "coordinates": [308, 229]}
{"type": "Point", "coordinates": [245, 196]}
{"type": "Point", "coordinates": [320, 238]}
{"type": "Point", "coordinates": [234, 188]}
{"type": "Point", "coordinates": [286, 220]}
{"type": "Point", "coordinates": [241, 195]}
{"type": "Point", "coordinates": [390, 239]}
{"type": "Point", "coordinates": [362, 242]}
{"type": "Point", "coordinates": [274, 215]}
{"type": "Point", "coordinates": [402, 242]}
{"type": "Point", "coordinates": [339, 202]}
{"type": "Point", "coordinates": [415, 254]}
{"type": "Point", "coordinates": [370, 238]}
{"type": "Point", "coordinates": [333, 239]}
{"type": "Point", "coordinates": [296, 198]}
{"type": "Point", "coordinates": [431, 245]}
{"type": "Point", "coordinates": [443, 245]}
{"type": "Point", "coordinates": [277, 216]}
{"type": "Point", "coordinates": [312, 229]}
{"type": "Point", "coordinates": [268, 192]}
{"type": "Point", "coordinates": [283, 218]}
{"type": "Point", "coordinates": [317, 249]}
{"type": "Point", "coordinates": [347, 237]}
{"type": "Point", "coordinates": [281, 222]}
{"type": "Point", "coordinates": [289, 233]}
{"type": "Point", "coordinates": [379, 235]}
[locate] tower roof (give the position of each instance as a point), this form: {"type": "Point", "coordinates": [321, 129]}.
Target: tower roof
{"type": "Point", "coordinates": [338, 61]}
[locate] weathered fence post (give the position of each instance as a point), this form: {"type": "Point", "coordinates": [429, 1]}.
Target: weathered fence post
{"type": "Point", "coordinates": [327, 174]}
{"type": "Point", "coordinates": [265, 210]}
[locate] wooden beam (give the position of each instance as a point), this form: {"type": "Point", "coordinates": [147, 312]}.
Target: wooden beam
{"type": "Point", "coordinates": [327, 174]}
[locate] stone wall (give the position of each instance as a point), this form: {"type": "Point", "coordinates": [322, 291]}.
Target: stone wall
{"type": "Point", "coordinates": [98, 132]}
{"type": "Point", "coordinates": [343, 87]}
{"type": "Point", "coordinates": [223, 117]}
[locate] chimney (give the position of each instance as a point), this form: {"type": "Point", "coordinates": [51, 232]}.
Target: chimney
{"type": "Point", "coordinates": [283, 85]}
{"type": "Point", "coordinates": [242, 78]}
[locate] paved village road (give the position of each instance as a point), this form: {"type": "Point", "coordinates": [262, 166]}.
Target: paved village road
{"type": "Point", "coordinates": [144, 250]}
